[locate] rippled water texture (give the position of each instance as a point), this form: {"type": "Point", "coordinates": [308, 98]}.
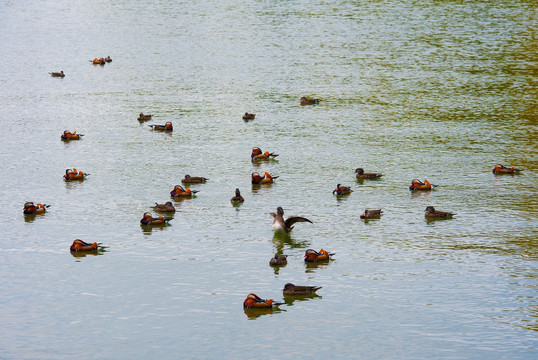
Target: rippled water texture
{"type": "Point", "coordinates": [437, 90]}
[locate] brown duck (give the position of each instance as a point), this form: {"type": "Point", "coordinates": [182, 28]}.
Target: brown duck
{"type": "Point", "coordinates": [249, 116]}
{"type": "Point", "coordinates": [431, 213]}
{"type": "Point", "coordinates": [294, 290]}
{"type": "Point", "coordinates": [308, 101]}
{"type": "Point", "coordinates": [371, 214]}
{"type": "Point", "coordinates": [237, 199]}
{"type": "Point", "coordinates": [166, 207]}
{"type": "Point", "coordinates": [143, 117]}
{"type": "Point", "coordinates": [57, 74]}
{"type": "Point", "coordinates": [193, 179]}
{"type": "Point", "coordinates": [360, 174]}
{"type": "Point", "coordinates": [278, 260]}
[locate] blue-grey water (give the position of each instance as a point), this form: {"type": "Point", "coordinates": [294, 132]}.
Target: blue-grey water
{"type": "Point", "coordinates": [441, 90]}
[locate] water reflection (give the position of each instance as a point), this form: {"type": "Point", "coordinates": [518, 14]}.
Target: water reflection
{"type": "Point", "coordinates": [280, 239]}
{"type": "Point", "coordinates": [312, 267]}
{"type": "Point", "coordinates": [289, 300]}
{"type": "Point", "coordinates": [341, 198]}
{"type": "Point", "coordinates": [420, 194]}
{"type": "Point", "coordinates": [253, 314]}
{"type": "Point", "coordinates": [29, 218]}
{"type": "Point", "coordinates": [82, 254]}
{"type": "Point", "coordinates": [256, 188]}
{"type": "Point", "coordinates": [431, 221]}
{"type": "Point", "coordinates": [148, 229]}
{"type": "Point", "coordinates": [73, 184]}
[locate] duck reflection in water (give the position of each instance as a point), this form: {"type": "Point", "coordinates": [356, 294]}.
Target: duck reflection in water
{"type": "Point", "coordinates": [281, 238]}
{"type": "Point", "coordinates": [84, 254]}
{"type": "Point", "coordinates": [31, 217]}
{"type": "Point", "coordinates": [420, 194]}
{"type": "Point", "coordinates": [253, 314]}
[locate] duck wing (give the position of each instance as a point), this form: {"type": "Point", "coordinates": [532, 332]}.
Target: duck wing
{"type": "Point", "coordinates": [307, 289]}
{"type": "Point", "coordinates": [294, 219]}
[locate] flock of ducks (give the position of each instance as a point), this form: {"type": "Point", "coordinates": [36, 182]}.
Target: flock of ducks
{"type": "Point", "coordinates": [95, 61]}
{"type": "Point", "coordinates": [280, 224]}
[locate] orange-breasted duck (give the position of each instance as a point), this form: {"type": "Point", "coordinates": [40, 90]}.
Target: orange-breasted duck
{"type": "Point", "coordinates": [501, 169]}
{"type": "Point", "coordinates": [68, 135]}
{"type": "Point", "coordinates": [267, 178]}
{"type": "Point", "coordinates": [431, 213]}
{"type": "Point", "coordinates": [313, 256]}
{"type": "Point", "coordinates": [164, 208]}
{"type": "Point", "coordinates": [193, 179]}
{"type": "Point", "coordinates": [74, 175]}
{"type": "Point", "coordinates": [57, 74]}
{"type": "Point", "coordinates": [166, 127]}
{"type": "Point", "coordinates": [416, 184]}
{"type": "Point", "coordinates": [249, 116]}
{"type": "Point", "coordinates": [254, 301]}
{"type": "Point", "coordinates": [31, 208]}
{"type": "Point", "coordinates": [296, 290]}
{"type": "Point", "coordinates": [371, 214]}
{"type": "Point", "coordinates": [179, 191]}
{"type": "Point", "coordinates": [278, 260]}
{"type": "Point", "coordinates": [98, 61]}
{"type": "Point", "coordinates": [79, 245]}
{"type": "Point", "coordinates": [279, 224]}
{"type": "Point", "coordinates": [148, 219]}
{"type": "Point", "coordinates": [360, 174]}
{"type": "Point", "coordinates": [257, 154]}
{"type": "Point", "coordinates": [342, 190]}
{"type": "Point", "coordinates": [308, 101]}
{"type": "Point", "coordinates": [237, 199]}
{"type": "Point", "coordinates": [143, 117]}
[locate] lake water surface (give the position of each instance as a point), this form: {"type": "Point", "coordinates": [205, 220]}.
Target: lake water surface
{"type": "Point", "coordinates": [441, 90]}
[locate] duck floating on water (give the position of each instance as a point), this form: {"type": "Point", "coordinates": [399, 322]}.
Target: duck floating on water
{"type": "Point", "coordinates": [253, 301]}
{"type": "Point", "coordinates": [98, 61]}
{"type": "Point", "coordinates": [148, 220]}
{"type": "Point", "coordinates": [237, 199]}
{"type": "Point", "coordinates": [193, 179]}
{"type": "Point", "coordinates": [371, 214]}
{"type": "Point", "coordinates": [143, 117]}
{"type": "Point", "coordinates": [30, 208]}
{"type": "Point", "coordinates": [74, 175]}
{"type": "Point", "coordinates": [416, 184]}
{"type": "Point", "coordinates": [279, 224]}
{"type": "Point", "coordinates": [278, 260]}
{"type": "Point", "coordinates": [79, 245]}
{"type": "Point", "coordinates": [342, 190]}
{"type": "Point", "coordinates": [166, 127]}
{"type": "Point", "coordinates": [167, 207]}
{"type": "Point", "coordinates": [68, 135]}
{"type": "Point", "coordinates": [257, 154]}
{"type": "Point", "coordinates": [431, 213]}
{"type": "Point", "coordinates": [249, 116]}
{"type": "Point", "coordinates": [57, 74]}
{"type": "Point", "coordinates": [296, 290]}
{"type": "Point", "coordinates": [179, 191]}
{"type": "Point", "coordinates": [360, 174]}
{"type": "Point", "coordinates": [267, 178]}
{"type": "Point", "coordinates": [308, 101]}
{"type": "Point", "coordinates": [313, 256]}
{"type": "Point", "coordinates": [501, 170]}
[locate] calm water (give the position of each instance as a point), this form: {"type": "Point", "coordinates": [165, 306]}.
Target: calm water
{"type": "Point", "coordinates": [440, 90]}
